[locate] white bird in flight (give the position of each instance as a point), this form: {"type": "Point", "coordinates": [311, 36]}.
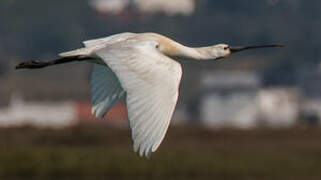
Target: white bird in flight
{"type": "Point", "coordinates": [140, 68]}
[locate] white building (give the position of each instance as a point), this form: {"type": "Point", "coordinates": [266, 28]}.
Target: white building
{"type": "Point", "coordinates": [169, 7]}
{"type": "Point", "coordinates": [229, 99]}
{"type": "Point", "coordinates": [279, 107]}
{"type": "Point", "coordinates": [236, 99]}
{"type": "Point", "coordinates": [20, 113]}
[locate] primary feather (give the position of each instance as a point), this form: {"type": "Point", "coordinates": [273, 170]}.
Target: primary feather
{"type": "Point", "coordinates": [106, 90]}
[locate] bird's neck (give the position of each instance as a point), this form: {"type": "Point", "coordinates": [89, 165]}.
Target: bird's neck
{"type": "Point", "coordinates": [200, 53]}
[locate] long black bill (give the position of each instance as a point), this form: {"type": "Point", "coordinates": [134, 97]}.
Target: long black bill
{"type": "Point", "coordinates": [242, 48]}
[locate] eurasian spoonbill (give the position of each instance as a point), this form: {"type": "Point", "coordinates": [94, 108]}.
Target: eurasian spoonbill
{"type": "Point", "coordinates": [140, 68]}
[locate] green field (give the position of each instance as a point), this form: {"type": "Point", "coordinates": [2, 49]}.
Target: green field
{"type": "Point", "coordinates": [91, 152]}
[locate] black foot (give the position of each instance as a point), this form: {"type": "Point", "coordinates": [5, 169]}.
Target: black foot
{"type": "Point", "coordinates": [31, 65]}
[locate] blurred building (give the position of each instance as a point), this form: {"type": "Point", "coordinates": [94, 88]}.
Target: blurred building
{"type": "Point", "coordinates": [116, 117]}
{"type": "Point", "coordinates": [168, 7]}
{"type": "Point", "coordinates": [245, 105]}
{"type": "Point", "coordinates": [237, 99]}
{"type": "Point", "coordinates": [311, 111]}
{"type": "Point", "coordinates": [65, 114]}
{"type": "Point", "coordinates": [279, 107]}
{"type": "Point", "coordinates": [109, 6]}
{"type": "Point", "coordinates": [48, 114]}
{"type": "Point", "coordinates": [229, 99]}
{"type": "Point", "coordinates": [57, 114]}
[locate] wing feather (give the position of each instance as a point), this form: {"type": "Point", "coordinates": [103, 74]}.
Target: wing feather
{"type": "Point", "coordinates": [151, 81]}
{"type": "Point", "coordinates": [106, 90]}
{"type": "Point", "coordinates": [109, 40]}
{"type": "Point", "coordinates": [96, 44]}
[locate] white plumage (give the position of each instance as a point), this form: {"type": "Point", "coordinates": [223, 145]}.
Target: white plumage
{"type": "Point", "coordinates": [140, 68]}
{"type": "Point", "coordinates": [149, 79]}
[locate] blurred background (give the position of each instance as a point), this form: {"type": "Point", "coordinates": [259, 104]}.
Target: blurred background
{"type": "Point", "coordinates": [255, 115]}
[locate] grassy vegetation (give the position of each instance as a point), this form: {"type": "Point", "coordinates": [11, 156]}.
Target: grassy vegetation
{"type": "Point", "coordinates": [88, 152]}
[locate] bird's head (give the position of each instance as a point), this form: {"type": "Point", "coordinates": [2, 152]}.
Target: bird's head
{"type": "Point", "coordinates": [221, 51]}
{"type": "Point", "coordinates": [224, 50]}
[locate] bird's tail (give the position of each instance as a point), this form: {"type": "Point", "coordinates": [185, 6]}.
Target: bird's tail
{"type": "Point", "coordinates": [42, 64]}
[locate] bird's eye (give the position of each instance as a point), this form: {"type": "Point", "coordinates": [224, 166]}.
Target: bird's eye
{"type": "Point", "coordinates": [226, 48]}
{"type": "Point", "coordinates": [157, 46]}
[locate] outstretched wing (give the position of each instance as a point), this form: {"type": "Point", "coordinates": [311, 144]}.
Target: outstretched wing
{"type": "Point", "coordinates": [109, 40]}
{"type": "Point", "coordinates": [106, 90]}
{"type": "Point", "coordinates": [151, 81]}
{"type": "Point", "coordinates": [96, 44]}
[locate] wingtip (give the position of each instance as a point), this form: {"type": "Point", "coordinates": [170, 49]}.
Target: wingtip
{"type": "Point", "coordinates": [93, 111]}
{"type": "Point", "coordinates": [148, 154]}
{"type": "Point", "coordinates": [145, 154]}
{"type": "Point", "coordinates": [97, 111]}
{"type": "Point", "coordinates": [155, 147]}
{"type": "Point", "coordinates": [141, 151]}
{"type": "Point", "coordinates": [135, 147]}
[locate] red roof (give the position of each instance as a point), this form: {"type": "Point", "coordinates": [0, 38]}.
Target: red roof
{"type": "Point", "coordinates": [116, 116]}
